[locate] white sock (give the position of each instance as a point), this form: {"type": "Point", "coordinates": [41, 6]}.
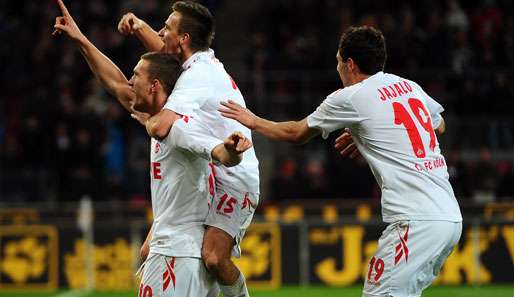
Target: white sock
{"type": "Point", "coordinates": [237, 289]}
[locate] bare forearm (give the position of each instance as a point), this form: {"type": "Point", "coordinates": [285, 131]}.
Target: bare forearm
{"type": "Point", "coordinates": [152, 128]}
{"type": "Point", "coordinates": [159, 125]}
{"type": "Point", "coordinates": [225, 157]}
{"type": "Point", "coordinates": [109, 75]}
{"type": "Point", "coordinates": [149, 235]}
{"type": "Point", "coordinates": [150, 38]}
{"type": "Point", "coordinates": [291, 131]}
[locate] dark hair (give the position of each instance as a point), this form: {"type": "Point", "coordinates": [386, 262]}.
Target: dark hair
{"type": "Point", "coordinates": [164, 67]}
{"type": "Point", "coordinates": [197, 21]}
{"type": "Point", "coordinates": [366, 46]}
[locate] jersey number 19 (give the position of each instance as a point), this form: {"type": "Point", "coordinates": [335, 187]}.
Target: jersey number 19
{"type": "Point", "coordinates": [402, 117]}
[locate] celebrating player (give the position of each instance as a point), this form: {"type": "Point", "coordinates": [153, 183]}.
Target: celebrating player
{"type": "Point", "coordinates": [188, 33]}
{"type": "Point", "coordinates": [179, 165]}
{"type": "Point", "coordinates": [393, 123]}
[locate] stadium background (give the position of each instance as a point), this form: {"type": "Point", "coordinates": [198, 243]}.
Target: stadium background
{"type": "Point", "coordinates": [64, 140]}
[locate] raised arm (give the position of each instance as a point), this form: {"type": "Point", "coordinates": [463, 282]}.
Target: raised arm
{"type": "Point", "coordinates": [132, 25]}
{"type": "Point", "coordinates": [297, 132]}
{"type": "Point", "coordinates": [109, 75]}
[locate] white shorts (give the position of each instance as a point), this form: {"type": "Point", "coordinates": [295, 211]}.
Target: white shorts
{"type": "Point", "coordinates": [165, 276]}
{"type": "Point", "coordinates": [232, 212]}
{"type": "Point", "coordinates": [409, 257]}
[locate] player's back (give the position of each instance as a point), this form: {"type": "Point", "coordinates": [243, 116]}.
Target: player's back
{"type": "Point", "coordinates": [199, 90]}
{"type": "Point", "coordinates": [392, 121]}
{"type": "Point", "coordinates": [397, 138]}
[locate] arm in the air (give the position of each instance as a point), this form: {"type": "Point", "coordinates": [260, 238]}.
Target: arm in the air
{"type": "Point", "coordinates": [109, 75]}
{"type": "Point", "coordinates": [132, 25]}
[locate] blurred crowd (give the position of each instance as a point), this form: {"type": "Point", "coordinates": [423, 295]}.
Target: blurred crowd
{"type": "Point", "coordinates": [62, 137]}
{"type": "Point", "coordinates": [461, 53]}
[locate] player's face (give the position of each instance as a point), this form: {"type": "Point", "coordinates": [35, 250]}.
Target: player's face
{"type": "Point", "coordinates": [342, 69]}
{"type": "Point", "coordinates": [141, 86]}
{"type": "Point", "coordinates": [170, 36]}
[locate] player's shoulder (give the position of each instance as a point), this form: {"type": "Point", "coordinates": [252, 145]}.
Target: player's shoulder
{"type": "Point", "coordinates": [195, 72]}
{"type": "Point", "coordinates": [179, 129]}
{"type": "Point", "coordinates": [407, 83]}
{"type": "Point", "coordinates": [345, 94]}
{"type": "Point", "coordinates": [200, 69]}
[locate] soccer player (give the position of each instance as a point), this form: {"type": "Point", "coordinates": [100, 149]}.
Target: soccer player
{"type": "Point", "coordinates": [392, 122]}
{"type": "Point", "coordinates": [188, 33]}
{"type": "Point", "coordinates": [179, 165]}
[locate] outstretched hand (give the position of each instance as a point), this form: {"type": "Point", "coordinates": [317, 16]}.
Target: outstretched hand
{"type": "Point", "coordinates": [66, 24]}
{"type": "Point", "coordinates": [234, 111]}
{"type": "Point", "coordinates": [345, 145]}
{"type": "Point", "coordinates": [129, 24]}
{"type": "Point", "coordinates": [237, 143]}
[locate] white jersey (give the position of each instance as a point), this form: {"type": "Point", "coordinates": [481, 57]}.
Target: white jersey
{"type": "Point", "coordinates": [392, 121]}
{"type": "Point", "coordinates": [178, 172]}
{"type": "Point", "coordinates": [199, 90]}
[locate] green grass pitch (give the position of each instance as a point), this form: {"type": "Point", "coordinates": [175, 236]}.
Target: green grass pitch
{"type": "Point", "coordinates": [313, 291]}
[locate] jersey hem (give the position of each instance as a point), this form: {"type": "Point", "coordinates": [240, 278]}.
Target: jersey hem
{"type": "Point", "coordinates": [396, 218]}
{"type": "Point", "coordinates": [168, 253]}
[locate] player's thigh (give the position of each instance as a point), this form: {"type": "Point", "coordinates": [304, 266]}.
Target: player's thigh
{"type": "Point", "coordinates": [439, 241]}
{"type": "Point", "coordinates": [409, 257]}
{"type": "Point", "coordinates": [170, 276]}
{"type": "Point", "coordinates": [380, 268]}
{"type": "Point", "coordinates": [217, 242]}
{"type": "Point", "coordinates": [232, 212]}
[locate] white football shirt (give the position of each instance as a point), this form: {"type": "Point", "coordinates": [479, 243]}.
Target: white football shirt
{"type": "Point", "coordinates": [199, 90]}
{"type": "Point", "coordinates": [392, 121]}
{"type": "Point", "coordinates": [178, 172]}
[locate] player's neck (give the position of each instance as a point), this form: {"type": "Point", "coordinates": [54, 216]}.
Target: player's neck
{"type": "Point", "coordinates": [186, 54]}
{"type": "Point", "coordinates": [160, 101]}
{"type": "Point", "coordinates": [357, 78]}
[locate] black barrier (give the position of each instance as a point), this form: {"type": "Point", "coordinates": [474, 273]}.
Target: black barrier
{"type": "Point", "coordinates": [48, 257]}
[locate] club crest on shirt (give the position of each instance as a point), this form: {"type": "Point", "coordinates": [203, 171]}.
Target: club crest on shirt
{"type": "Point", "coordinates": [157, 148]}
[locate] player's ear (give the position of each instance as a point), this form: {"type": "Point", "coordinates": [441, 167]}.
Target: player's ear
{"type": "Point", "coordinates": [156, 85]}
{"type": "Point", "coordinates": [350, 63]}
{"type": "Point", "coordinates": [185, 39]}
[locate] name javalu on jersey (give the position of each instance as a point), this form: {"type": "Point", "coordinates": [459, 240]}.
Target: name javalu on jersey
{"type": "Point", "coordinates": [392, 121]}
{"type": "Point", "coordinates": [179, 172]}
{"type": "Point", "coordinates": [199, 90]}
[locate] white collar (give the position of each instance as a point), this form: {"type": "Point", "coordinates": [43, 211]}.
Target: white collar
{"type": "Point", "coordinates": [196, 56]}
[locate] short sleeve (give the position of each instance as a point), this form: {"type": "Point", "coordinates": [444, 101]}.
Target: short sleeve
{"type": "Point", "coordinates": [192, 135]}
{"type": "Point", "coordinates": [335, 112]}
{"type": "Point", "coordinates": [191, 91]}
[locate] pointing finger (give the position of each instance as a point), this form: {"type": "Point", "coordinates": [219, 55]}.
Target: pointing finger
{"type": "Point", "coordinates": [63, 8]}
